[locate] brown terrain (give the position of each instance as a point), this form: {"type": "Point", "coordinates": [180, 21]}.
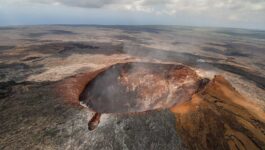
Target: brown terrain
{"type": "Point", "coordinates": [218, 117]}
{"type": "Point", "coordinates": [119, 87]}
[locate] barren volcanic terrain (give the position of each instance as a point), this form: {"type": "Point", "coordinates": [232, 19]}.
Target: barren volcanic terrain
{"type": "Point", "coordinates": [131, 87]}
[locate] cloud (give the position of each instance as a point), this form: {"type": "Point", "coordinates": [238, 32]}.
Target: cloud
{"type": "Point", "coordinates": [78, 3]}
{"type": "Point", "coordinates": [166, 6]}
{"type": "Point", "coordinates": [178, 4]}
{"type": "Point", "coordinates": [231, 10]}
{"type": "Point", "coordinates": [221, 10]}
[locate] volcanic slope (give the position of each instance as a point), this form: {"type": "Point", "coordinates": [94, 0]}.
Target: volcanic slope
{"type": "Point", "coordinates": [220, 118]}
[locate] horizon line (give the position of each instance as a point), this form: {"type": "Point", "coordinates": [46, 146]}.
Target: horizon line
{"type": "Point", "coordinates": [194, 26]}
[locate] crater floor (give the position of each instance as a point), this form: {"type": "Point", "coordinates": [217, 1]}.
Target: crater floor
{"type": "Point", "coordinates": [139, 86]}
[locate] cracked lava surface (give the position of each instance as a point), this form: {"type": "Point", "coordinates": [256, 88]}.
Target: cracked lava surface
{"type": "Point", "coordinates": [44, 79]}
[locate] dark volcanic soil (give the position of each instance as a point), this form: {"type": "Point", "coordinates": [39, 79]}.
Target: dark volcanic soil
{"type": "Point", "coordinates": [45, 69]}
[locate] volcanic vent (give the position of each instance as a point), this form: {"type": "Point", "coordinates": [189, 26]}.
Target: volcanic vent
{"type": "Point", "coordinates": [138, 87]}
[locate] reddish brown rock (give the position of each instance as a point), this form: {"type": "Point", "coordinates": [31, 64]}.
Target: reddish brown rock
{"type": "Point", "coordinates": [220, 118]}
{"type": "Point", "coordinates": [70, 89]}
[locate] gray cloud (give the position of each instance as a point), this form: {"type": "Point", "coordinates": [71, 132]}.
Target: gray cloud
{"type": "Point", "coordinates": [229, 10]}
{"type": "Point", "coordinates": [179, 4]}
{"type": "Point", "coordinates": [159, 5]}
{"type": "Point", "coordinates": [243, 11]}
{"type": "Point", "coordinates": [78, 3]}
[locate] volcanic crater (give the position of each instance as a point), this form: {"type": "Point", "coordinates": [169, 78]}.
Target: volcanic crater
{"type": "Point", "coordinates": [138, 87]}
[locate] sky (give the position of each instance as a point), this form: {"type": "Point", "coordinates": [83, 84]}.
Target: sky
{"type": "Point", "coordinates": [212, 13]}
